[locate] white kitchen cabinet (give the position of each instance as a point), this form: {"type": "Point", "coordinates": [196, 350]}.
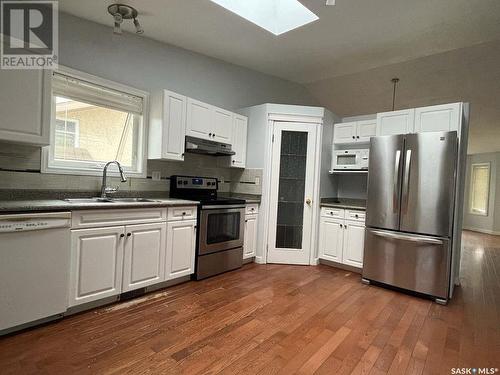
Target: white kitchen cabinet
{"type": "Point", "coordinates": [199, 119]}
{"type": "Point", "coordinates": [223, 125]}
{"type": "Point", "coordinates": [331, 238]}
{"type": "Point", "coordinates": [238, 160]}
{"type": "Point", "coordinates": [144, 255]}
{"type": "Point", "coordinates": [344, 132]}
{"type": "Point", "coordinates": [96, 264]}
{"type": "Point", "coordinates": [167, 126]}
{"type": "Point", "coordinates": [25, 105]}
{"type": "Point", "coordinates": [354, 132]}
{"type": "Point", "coordinates": [445, 117]}
{"type": "Point", "coordinates": [342, 236]}
{"type": "Point", "coordinates": [354, 242]}
{"type": "Point", "coordinates": [365, 130]}
{"type": "Point", "coordinates": [181, 242]}
{"type": "Point", "coordinates": [395, 122]}
{"type": "Point", "coordinates": [250, 237]}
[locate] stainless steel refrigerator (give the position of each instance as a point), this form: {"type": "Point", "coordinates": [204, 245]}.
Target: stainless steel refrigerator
{"type": "Point", "coordinates": [410, 207]}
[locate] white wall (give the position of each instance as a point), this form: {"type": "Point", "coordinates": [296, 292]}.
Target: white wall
{"type": "Point", "coordinates": [491, 222]}
{"type": "Point", "coordinates": [147, 64]}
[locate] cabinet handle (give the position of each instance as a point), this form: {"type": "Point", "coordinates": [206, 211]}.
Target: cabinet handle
{"type": "Point", "coordinates": [183, 214]}
{"type": "Point", "coordinates": [340, 225]}
{"type": "Point", "coordinates": [246, 221]}
{"type": "Point", "coordinates": [209, 134]}
{"type": "Point", "coordinates": [357, 136]}
{"type": "Point", "coordinates": [331, 213]}
{"type": "Point", "coordinates": [234, 161]}
{"type": "Point", "coordinates": [129, 234]}
{"type": "Point", "coordinates": [122, 235]}
{"type": "Point", "coordinates": [353, 137]}
{"type": "Point", "coordinates": [213, 135]}
{"type": "Point", "coordinates": [356, 216]}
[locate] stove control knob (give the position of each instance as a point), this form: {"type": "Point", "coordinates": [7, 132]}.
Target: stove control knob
{"type": "Point", "coordinates": [179, 182]}
{"type": "Point", "coordinates": [185, 182]}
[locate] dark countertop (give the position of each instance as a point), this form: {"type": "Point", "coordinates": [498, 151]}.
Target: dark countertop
{"type": "Point", "coordinates": [346, 203]}
{"type": "Point", "coordinates": [249, 198]}
{"type": "Point", "coordinates": [45, 205]}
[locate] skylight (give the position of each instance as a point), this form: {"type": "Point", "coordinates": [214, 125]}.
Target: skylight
{"type": "Point", "coordinates": [275, 16]}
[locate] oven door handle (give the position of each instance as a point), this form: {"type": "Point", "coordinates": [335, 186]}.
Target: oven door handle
{"type": "Point", "coordinates": [221, 207]}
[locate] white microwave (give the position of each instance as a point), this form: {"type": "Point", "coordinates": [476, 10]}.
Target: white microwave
{"type": "Point", "coordinates": [350, 159]}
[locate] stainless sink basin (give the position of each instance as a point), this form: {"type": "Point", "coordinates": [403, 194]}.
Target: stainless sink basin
{"type": "Point", "coordinates": [108, 200]}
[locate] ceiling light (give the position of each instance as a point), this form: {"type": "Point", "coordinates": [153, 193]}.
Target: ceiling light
{"type": "Point", "coordinates": [330, 2]}
{"type": "Point", "coordinates": [122, 12]}
{"type": "Point", "coordinates": [275, 16]}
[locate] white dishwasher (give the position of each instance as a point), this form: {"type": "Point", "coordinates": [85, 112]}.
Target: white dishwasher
{"type": "Point", "coordinates": [34, 268]}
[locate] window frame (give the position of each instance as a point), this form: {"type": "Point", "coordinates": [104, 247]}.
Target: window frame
{"type": "Point", "coordinates": [77, 129]}
{"type": "Point", "coordinates": [472, 211]}
{"type": "Point", "coordinates": [49, 165]}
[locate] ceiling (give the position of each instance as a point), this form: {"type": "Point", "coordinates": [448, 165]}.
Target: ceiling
{"type": "Point", "coordinates": [350, 37]}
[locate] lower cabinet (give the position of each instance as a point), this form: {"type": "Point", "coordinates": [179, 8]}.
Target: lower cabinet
{"type": "Point", "coordinates": [96, 264]}
{"type": "Point", "coordinates": [144, 257]}
{"type": "Point", "coordinates": [118, 257]}
{"type": "Point", "coordinates": [181, 242]}
{"type": "Point", "coordinates": [342, 240]}
{"type": "Point", "coordinates": [250, 237]}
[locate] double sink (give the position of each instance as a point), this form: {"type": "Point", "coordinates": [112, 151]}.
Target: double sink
{"type": "Point", "coordinates": [109, 200]}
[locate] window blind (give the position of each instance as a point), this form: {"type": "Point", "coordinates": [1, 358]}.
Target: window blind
{"type": "Point", "coordinates": [91, 93]}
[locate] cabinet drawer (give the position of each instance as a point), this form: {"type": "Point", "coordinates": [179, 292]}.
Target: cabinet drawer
{"type": "Point", "coordinates": [355, 215]}
{"type": "Point", "coordinates": [182, 213]}
{"type": "Point", "coordinates": [337, 213]}
{"type": "Point", "coordinates": [107, 217]}
{"type": "Point", "coordinates": [252, 209]}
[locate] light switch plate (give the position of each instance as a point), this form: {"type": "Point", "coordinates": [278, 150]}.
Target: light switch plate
{"type": "Point", "coordinates": [257, 180]}
{"type": "Point", "coordinates": [156, 175]}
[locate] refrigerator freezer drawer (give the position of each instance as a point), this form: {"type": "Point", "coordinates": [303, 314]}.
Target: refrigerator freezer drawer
{"type": "Point", "coordinates": [413, 262]}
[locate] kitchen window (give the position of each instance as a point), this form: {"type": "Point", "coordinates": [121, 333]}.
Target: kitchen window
{"type": "Point", "coordinates": [94, 121]}
{"type": "Point", "coordinates": [480, 189]}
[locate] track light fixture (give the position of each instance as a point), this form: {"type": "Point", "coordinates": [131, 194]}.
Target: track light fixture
{"type": "Point", "coordinates": [122, 12]}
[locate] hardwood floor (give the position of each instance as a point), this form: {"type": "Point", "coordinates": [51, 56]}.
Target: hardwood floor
{"type": "Point", "coordinates": [273, 319]}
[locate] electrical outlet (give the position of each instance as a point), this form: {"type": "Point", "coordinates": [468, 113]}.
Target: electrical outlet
{"type": "Point", "coordinates": [156, 175]}
{"type": "Point", "coordinates": [257, 180]}
{"type": "Point", "coordinates": [221, 179]}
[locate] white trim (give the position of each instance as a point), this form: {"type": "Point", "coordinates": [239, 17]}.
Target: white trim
{"type": "Point", "coordinates": [471, 190]}
{"type": "Point", "coordinates": [86, 170]}
{"type": "Point", "coordinates": [295, 118]}
{"type": "Point", "coordinates": [485, 231]}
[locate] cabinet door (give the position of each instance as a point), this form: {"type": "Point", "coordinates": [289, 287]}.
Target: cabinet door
{"type": "Point", "coordinates": [365, 130]}
{"type": "Point", "coordinates": [144, 257]}
{"type": "Point", "coordinates": [199, 119]}
{"type": "Point", "coordinates": [25, 105]}
{"type": "Point", "coordinates": [223, 125]}
{"type": "Point", "coordinates": [395, 122]}
{"type": "Point", "coordinates": [238, 160]}
{"type": "Point", "coordinates": [250, 236]}
{"type": "Point", "coordinates": [181, 237]}
{"type": "Point", "coordinates": [344, 132]}
{"type": "Point", "coordinates": [437, 118]}
{"type": "Point", "coordinates": [354, 242]}
{"type": "Point", "coordinates": [174, 126]}
{"type": "Point", "coordinates": [96, 264]}
{"type": "Point", "coordinates": [331, 239]}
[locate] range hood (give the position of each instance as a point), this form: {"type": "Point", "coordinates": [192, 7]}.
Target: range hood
{"type": "Point", "coordinates": [203, 146]}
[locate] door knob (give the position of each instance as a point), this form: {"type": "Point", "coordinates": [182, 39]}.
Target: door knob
{"type": "Point", "coordinates": [308, 201]}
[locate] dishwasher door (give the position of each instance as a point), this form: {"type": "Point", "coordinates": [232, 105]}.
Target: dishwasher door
{"type": "Point", "coordinates": [414, 262]}
{"type": "Point", "coordinates": [34, 268]}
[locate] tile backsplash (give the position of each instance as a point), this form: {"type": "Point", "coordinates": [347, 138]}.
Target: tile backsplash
{"type": "Point", "coordinates": [20, 169]}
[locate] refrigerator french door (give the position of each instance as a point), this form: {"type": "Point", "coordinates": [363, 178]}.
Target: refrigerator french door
{"type": "Point", "coordinates": [410, 205]}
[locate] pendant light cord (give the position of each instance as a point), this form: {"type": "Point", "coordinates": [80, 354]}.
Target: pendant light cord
{"type": "Point", "coordinates": [394, 82]}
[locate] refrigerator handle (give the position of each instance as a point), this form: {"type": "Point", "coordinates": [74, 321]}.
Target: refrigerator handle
{"type": "Point", "coordinates": [395, 236]}
{"type": "Point", "coordinates": [395, 197]}
{"type": "Point", "coordinates": [406, 180]}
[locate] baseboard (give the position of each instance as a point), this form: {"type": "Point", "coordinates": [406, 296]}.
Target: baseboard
{"type": "Point", "coordinates": [480, 230]}
{"type": "Point", "coordinates": [259, 260]}
{"type": "Point", "coordinates": [344, 267]}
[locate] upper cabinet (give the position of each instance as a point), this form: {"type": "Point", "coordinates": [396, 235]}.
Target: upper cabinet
{"type": "Point", "coordinates": [354, 132]}
{"type": "Point", "coordinates": [25, 105]}
{"type": "Point", "coordinates": [167, 126]}
{"type": "Point", "coordinates": [395, 122]}
{"type": "Point", "coordinates": [445, 117]}
{"type": "Point", "coordinates": [238, 160]}
{"type": "Point", "coordinates": [208, 122]}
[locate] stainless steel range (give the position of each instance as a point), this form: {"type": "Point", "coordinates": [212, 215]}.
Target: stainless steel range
{"type": "Point", "coordinates": [221, 223]}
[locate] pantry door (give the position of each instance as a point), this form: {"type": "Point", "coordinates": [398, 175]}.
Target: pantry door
{"type": "Point", "coordinates": [292, 187]}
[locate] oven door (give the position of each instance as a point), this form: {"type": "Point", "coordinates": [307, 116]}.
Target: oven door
{"type": "Point", "coordinates": [347, 160]}
{"type": "Point", "coordinates": [221, 228]}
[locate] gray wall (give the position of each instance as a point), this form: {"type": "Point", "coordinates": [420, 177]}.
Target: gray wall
{"type": "Point", "coordinates": [491, 222]}
{"type": "Point", "coordinates": [148, 65]}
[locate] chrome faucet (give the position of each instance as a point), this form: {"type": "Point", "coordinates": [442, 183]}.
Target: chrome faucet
{"type": "Point", "coordinates": [105, 189]}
